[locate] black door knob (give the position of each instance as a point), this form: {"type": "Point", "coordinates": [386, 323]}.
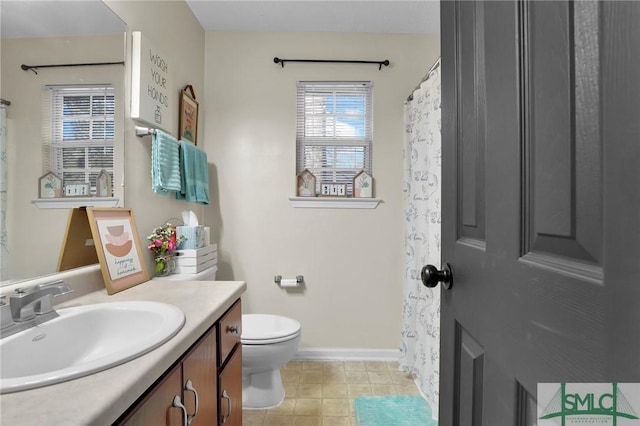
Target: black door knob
{"type": "Point", "coordinates": [431, 276]}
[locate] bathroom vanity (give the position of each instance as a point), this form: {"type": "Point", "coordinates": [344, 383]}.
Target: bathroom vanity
{"type": "Point", "coordinates": [205, 356]}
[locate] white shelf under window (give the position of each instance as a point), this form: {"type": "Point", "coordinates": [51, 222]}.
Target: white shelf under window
{"type": "Point", "coordinates": [71, 202]}
{"type": "Point", "coordinates": [334, 202]}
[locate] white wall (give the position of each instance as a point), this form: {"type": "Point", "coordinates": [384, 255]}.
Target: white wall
{"type": "Point", "coordinates": [351, 259]}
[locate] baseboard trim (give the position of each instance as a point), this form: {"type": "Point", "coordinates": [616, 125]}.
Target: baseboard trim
{"type": "Point", "coordinates": [346, 354]}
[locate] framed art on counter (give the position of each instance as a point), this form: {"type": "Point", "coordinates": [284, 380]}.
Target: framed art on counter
{"type": "Point", "coordinates": [119, 251]}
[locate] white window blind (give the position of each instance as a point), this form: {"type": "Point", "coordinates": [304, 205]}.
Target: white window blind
{"type": "Point", "coordinates": [334, 130]}
{"type": "Point", "coordinates": [78, 132]}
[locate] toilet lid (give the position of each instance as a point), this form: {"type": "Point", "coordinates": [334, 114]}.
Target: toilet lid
{"type": "Point", "coordinates": [260, 327]}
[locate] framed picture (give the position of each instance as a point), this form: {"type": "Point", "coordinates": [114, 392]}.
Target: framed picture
{"type": "Point", "coordinates": [333, 189]}
{"type": "Point", "coordinates": [363, 185]}
{"type": "Point", "coordinates": [49, 186]}
{"type": "Point", "coordinates": [76, 190]}
{"type": "Point", "coordinates": [188, 123]}
{"type": "Point", "coordinates": [119, 252]}
{"type": "Point", "coordinates": [103, 184]}
{"type": "Point", "coordinates": [305, 184]}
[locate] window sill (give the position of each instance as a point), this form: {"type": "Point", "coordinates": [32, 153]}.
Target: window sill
{"type": "Point", "coordinates": [334, 203]}
{"type": "Point", "coordinates": [71, 202]}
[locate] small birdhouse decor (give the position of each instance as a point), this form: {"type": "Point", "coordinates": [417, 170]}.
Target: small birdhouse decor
{"type": "Point", "coordinates": [363, 185]}
{"type": "Point", "coordinates": [50, 186]}
{"type": "Point", "coordinates": [306, 184]}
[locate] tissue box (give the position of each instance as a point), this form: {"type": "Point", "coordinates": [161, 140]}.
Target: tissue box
{"type": "Point", "coordinates": [196, 237]}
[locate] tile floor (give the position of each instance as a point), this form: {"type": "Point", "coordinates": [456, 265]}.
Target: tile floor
{"type": "Point", "coordinates": [321, 393]}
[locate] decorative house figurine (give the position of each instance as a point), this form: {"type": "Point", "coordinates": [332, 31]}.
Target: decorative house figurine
{"type": "Point", "coordinates": [363, 185]}
{"type": "Point", "coordinates": [103, 184]}
{"type": "Point", "coordinates": [50, 186]}
{"type": "Point", "coordinates": [306, 184]}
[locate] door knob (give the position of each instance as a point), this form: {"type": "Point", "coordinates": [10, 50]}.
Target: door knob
{"type": "Point", "coordinates": [431, 276]}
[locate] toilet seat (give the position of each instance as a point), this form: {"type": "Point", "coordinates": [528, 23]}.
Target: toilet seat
{"type": "Point", "coordinates": [264, 329]}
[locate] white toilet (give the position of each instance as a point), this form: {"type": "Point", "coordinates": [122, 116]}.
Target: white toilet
{"type": "Point", "coordinates": [268, 343]}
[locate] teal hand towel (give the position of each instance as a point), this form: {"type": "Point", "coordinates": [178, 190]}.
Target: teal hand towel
{"type": "Point", "coordinates": [165, 163]}
{"type": "Point", "coordinates": [194, 169]}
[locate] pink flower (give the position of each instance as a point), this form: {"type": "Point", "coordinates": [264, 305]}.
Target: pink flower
{"type": "Point", "coordinates": [158, 242]}
{"type": "Point", "coordinates": [171, 245]}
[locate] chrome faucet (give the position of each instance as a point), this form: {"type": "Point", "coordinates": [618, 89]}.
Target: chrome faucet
{"type": "Point", "coordinates": [29, 309]}
{"type": "Point", "coordinates": [25, 306]}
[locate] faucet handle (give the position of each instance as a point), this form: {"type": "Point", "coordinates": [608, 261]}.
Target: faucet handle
{"type": "Point", "coordinates": [45, 305]}
{"type": "Point", "coordinates": [59, 284]}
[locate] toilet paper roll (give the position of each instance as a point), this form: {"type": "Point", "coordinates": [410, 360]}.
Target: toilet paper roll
{"type": "Point", "coordinates": [289, 283]}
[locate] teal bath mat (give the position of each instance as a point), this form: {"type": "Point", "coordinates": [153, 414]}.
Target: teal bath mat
{"type": "Point", "coordinates": [393, 411]}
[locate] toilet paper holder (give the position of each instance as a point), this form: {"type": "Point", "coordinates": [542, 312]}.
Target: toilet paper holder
{"type": "Point", "coordinates": [278, 279]}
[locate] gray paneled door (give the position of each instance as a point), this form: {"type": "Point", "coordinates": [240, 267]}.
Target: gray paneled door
{"type": "Point", "coordinates": [541, 202]}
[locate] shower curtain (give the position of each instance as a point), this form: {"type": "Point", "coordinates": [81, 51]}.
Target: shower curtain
{"type": "Point", "coordinates": [420, 345]}
{"type": "Point", "coordinates": [4, 244]}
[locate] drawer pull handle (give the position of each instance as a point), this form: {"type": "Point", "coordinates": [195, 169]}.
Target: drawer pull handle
{"type": "Point", "coordinates": [178, 404]}
{"type": "Point", "coordinates": [189, 387]}
{"type": "Point", "coordinates": [226, 396]}
{"type": "Point", "coordinates": [233, 329]}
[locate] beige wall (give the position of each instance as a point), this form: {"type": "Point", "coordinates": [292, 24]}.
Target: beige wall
{"type": "Point", "coordinates": [35, 235]}
{"type": "Point", "coordinates": [172, 28]}
{"type": "Point", "coordinates": [351, 259]}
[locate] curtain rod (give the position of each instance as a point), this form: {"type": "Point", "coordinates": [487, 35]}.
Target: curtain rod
{"type": "Point", "coordinates": [434, 67]}
{"type": "Point", "coordinates": [35, 67]}
{"type": "Point", "coordinates": [336, 61]}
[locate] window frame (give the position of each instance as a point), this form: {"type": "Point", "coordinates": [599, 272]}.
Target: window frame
{"type": "Point", "coordinates": [314, 116]}
{"type": "Point", "coordinates": [54, 141]}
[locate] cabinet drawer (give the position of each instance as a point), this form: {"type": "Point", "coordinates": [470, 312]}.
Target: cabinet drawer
{"type": "Point", "coordinates": [230, 330]}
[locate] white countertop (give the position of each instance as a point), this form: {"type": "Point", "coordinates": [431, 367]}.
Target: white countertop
{"type": "Point", "coordinates": [99, 399]}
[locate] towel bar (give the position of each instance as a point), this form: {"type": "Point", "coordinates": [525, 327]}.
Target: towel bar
{"type": "Point", "coordinates": [144, 131]}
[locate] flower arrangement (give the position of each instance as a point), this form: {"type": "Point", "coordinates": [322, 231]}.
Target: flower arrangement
{"type": "Point", "coordinates": [162, 242]}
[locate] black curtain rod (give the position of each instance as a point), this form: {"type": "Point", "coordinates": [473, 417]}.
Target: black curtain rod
{"type": "Point", "coordinates": [35, 67]}
{"type": "Point", "coordinates": [337, 61]}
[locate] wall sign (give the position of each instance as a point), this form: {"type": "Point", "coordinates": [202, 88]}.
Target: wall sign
{"type": "Point", "coordinates": [151, 86]}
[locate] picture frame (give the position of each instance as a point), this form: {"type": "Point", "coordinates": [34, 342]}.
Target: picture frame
{"type": "Point", "coordinates": [119, 251]}
{"type": "Point", "coordinates": [77, 190]}
{"type": "Point", "coordinates": [363, 185]}
{"type": "Point", "coordinates": [305, 184]}
{"type": "Point", "coordinates": [188, 122]}
{"type": "Point", "coordinates": [333, 189]}
{"type": "Point", "coordinates": [103, 184]}
{"type": "Point", "coordinates": [50, 186]}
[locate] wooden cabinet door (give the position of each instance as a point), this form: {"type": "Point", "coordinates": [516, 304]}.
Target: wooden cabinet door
{"type": "Point", "coordinates": [199, 377]}
{"type": "Point", "coordinates": [158, 408]}
{"type": "Point", "coordinates": [230, 331]}
{"type": "Point", "coordinates": [231, 390]}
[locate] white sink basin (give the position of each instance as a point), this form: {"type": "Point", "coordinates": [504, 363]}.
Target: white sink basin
{"type": "Point", "coordinates": [84, 340]}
